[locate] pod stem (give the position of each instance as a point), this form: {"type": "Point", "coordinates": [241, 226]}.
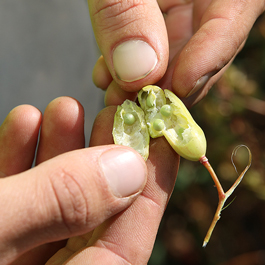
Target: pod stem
{"type": "Point", "coordinates": [223, 196]}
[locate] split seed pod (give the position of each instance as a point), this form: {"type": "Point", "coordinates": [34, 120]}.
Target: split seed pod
{"type": "Point", "coordinates": [166, 115]}
{"type": "Point", "coordinates": [163, 113]}
{"type": "Point", "coordinates": [130, 128]}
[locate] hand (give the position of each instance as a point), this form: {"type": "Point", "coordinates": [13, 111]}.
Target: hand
{"type": "Point", "coordinates": [77, 194]}
{"type": "Point", "coordinates": [65, 196]}
{"type": "Point", "coordinates": [185, 51]}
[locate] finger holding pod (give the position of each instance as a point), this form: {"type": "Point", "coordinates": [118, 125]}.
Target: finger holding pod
{"type": "Point", "coordinates": [130, 128]}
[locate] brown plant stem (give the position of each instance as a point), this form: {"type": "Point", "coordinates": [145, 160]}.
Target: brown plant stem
{"type": "Point", "coordinates": [223, 196]}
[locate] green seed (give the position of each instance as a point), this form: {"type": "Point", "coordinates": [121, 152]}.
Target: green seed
{"type": "Point", "coordinates": [158, 125]}
{"type": "Point", "coordinates": [150, 101]}
{"type": "Point", "coordinates": [180, 132]}
{"type": "Point", "coordinates": [129, 118]}
{"type": "Point", "coordinates": [166, 110]}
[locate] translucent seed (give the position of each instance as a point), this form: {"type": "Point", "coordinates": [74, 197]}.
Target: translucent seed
{"type": "Point", "coordinates": [150, 101]}
{"type": "Point", "coordinates": [166, 110]}
{"type": "Point", "coordinates": [129, 118]}
{"type": "Point", "coordinates": [158, 125]}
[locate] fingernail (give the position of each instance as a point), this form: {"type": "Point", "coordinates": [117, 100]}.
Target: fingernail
{"type": "Point", "coordinates": [133, 60]}
{"type": "Point", "coordinates": [124, 170]}
{"type": "Point", "coordinates": [201, 83]}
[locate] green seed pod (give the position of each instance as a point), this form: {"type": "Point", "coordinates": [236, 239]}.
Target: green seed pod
{"type": "Point", "coordinates": [130, 128]}
{"type": "Point", "coordinates": [152, 99]}
{"type": "Point", "coordinates": [179, 128]}
{"type": "Point", "coordinates": [184, 134]}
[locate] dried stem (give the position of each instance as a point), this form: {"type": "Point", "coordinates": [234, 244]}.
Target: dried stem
{"type": "Point", "coordinates": [223, 196]}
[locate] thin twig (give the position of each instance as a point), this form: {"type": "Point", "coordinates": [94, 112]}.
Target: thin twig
{"type": "Point", "coordinates": [223, 196]}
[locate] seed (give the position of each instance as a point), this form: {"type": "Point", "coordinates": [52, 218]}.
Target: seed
{"type": "Point", "coordinates": [150, 101]}
{"type": "Point", "coordinates": [158, 125]}
{"type": "Point", "coordinates": [166, 110]}
{"type": "Point", "coordinates": [129, 118]}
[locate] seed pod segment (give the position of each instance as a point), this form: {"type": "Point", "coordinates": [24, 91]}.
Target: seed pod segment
{"type": "Point", "coordinates": [163, 113]}
{"type": "Point", "coordinates": [152, 99]}
{"type": "Point", "coordinates": [184, 134]}
{"type": "Point", "coordinates": [130, 129]}
{"type": "Point", "coordinates": [180, 130]}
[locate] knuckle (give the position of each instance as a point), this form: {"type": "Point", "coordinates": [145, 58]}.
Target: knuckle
{"type": "Point", "coordinates": [112, 8]}
{"type": "Point", "coordinates": [72, 204]}
{"type": "Point", "coordinates": [112, 15]}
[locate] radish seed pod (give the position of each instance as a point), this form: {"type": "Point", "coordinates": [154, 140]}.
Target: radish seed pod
{"type": "Point", "coordinates": [180, 129]}
{"type": "Point", "coordinates": [130, 129]}
{"type": "Point", "coordinates": [162, 113]}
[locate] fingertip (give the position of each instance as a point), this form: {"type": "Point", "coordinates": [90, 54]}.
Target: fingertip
{"type": "Point", "coordinates": [23, 115]}
{"type": "Point", "coordinates": [101, 75]}
{"type": "Point", "coordinates": [132, 37]}
{"type": "Point", "coordinates": [137, 62]}
{"type": "Point", "coordinates": [62, 128]}
{"type": "Point", "coordinates": [115, 164]}
{"type": "Point", "coordinates": [221, 28]}
{"type": "Point", "coordinates": [194, 67]}
{"type": "Point", "coordinates": [134, 59]}
{"type": "Point", "coordinates": [65, 113]}
{"type": "Point", "coordinates": [18, 139]}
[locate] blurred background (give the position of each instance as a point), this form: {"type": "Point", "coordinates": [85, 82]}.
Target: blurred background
{"type": "Point", "coordinates": [47, 49]}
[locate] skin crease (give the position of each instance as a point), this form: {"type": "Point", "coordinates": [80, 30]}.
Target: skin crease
{"type": "Point", "coordinates": [211, 35]}
{"type": "Point", "coordinates": [109, 240]}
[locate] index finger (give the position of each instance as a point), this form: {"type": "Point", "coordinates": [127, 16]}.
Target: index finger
{"type": "Point", "coordinates": [223, 29]}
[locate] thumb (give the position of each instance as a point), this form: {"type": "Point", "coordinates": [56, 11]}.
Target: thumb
{"type": "Point", "coordinates": [68, 195]}
{"type": "Point", "coordinates": [133, 40]}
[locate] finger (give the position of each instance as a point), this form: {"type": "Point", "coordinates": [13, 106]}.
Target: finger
{"type": "Point", "coordinates": [73, 245]}
{"type": "Point", "coordinates": [101, 75]}
{"type": "Point", "coordinates": [129, 236]}
{"type": "Point", "coordinates": [224, 28]}
{"type": "Point", "coordinates": [115, 95]}
{"type": "Point", "coordinates": [102, 128]}
{"type": "Point", "coordinates": [199, 8]}
{"type": "Point", "coordinates": [62, 131]}
{"type": "Point", "coordinates": [178, 20]}
{"type": "Point", "coordinates": [176, 13]}
{"type": "Point", "coordinates": [133, 40]}
{"type": "Point", "coordinates": [18, 139]}
{"type": "Point", "coordinates": [65, 196]}
{"type": "Point", "coordinates": [62, 128]}
{"type": "Point", "coordinates": [201, 93]}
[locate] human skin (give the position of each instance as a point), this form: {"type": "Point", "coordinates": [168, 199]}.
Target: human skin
{"type": "Point", "coordinates": [194, 40]}
{"type": "Point", "coordinates": [41, 217]}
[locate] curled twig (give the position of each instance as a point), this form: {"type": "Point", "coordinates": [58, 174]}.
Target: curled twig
{"type": "Point", "coordinates": [223, 196]}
